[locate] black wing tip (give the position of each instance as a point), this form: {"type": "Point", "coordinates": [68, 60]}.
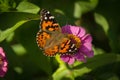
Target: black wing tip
{"type": "Point", "coordinates": [42, 11]}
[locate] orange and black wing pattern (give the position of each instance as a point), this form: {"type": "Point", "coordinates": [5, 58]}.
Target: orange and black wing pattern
{"type": "Point", "coordinates": [48, 22]}
{"type": "Point", "coordinates": [50, 39]}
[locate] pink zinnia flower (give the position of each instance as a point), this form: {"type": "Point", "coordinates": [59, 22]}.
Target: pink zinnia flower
{"type": "Point", "coordinates": [3, 63]}
{"type": "Point", "coordinates": [85, 48]}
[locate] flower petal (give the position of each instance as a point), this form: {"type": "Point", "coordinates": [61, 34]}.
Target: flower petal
{"type": "Point", "coordinates": [71, 60]}
{"type": "Point", "coordinates": [86, 49]}
{"type": "Point", "coordinates": [2, 52]}
{"type": "Point", "coordinates": [2, 73]}
{"type": "Point", "coordinates": [82, 32]}
{"type": "Point", "coordinates": [80, 57]}
{"type": "Point", "coordinates": [5, 62]}
{"type": "Point", "coordinates": [90, 54]}
{"type": "Point", "coordinates": [75, 30]}
{"type": "Point", "coordinates": [3, 65]}
{"type": "Point", "coordinates": [66, 29]}
{"type": "Point", "coordinates": [87, 38]}
{"type": "Point", "coordinates": [4, 69]}
{"type": "Point", "coordinates": [65, 58]}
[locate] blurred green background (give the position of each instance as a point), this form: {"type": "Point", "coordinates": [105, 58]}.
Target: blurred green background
{"type": "Point", "coordinates": [19, 23]}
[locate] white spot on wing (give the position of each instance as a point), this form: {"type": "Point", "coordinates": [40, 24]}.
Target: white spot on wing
{"type": "Point", "coordinates": [48, 12]}
{"type": "Point", "coordinates": [51, 17]}
{"type": "Point", "coordinates": [70, 50]}
{"type": "Point", "coordinates": [45, 18]}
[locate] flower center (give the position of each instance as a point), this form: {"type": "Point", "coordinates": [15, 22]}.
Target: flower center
{"type": "Point", "coordinates": [75, 39]}
{"type": "Point", "coordinates": [1, 60]}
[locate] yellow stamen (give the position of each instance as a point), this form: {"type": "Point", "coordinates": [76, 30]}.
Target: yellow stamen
{"type": "Point", "coordinates": [76, 39]}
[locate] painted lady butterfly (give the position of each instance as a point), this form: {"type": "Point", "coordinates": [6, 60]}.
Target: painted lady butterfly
{"type": "Point", "coordinates": [50, 38]}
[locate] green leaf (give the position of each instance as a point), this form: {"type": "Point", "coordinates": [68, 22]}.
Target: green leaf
{"type": "Point", "coordinates": [60, 73]}
{"type": "Point", "coordinates": [28, 7]}
{"type": "Point", "coordinates": [59, 11]}
{"type": "Point", "coordinates": [95, 62]}
{"type": "Point", "coordinates": [7, 32]}
{"type": "Point", "coordinates": [4, 5]}
{"type": "Point", "coordinates": [10, 37]}
{"type": "Point", "coordinates": [98, 51]}
{"type": "Point", "coordinates": [19, 49]}
{"type": "Point", "coordinates": [81, 7]}
{"type": "Point", "coordinates": [18, 70]}
{"type": "Point", "coordinates": [108, 76]}
{"type": "Point", "coordinates": [63, 72]}
{"type": "Point", "coordinates": [102, 22]}
{"type": "Point", "coordinates": [62, 64]}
